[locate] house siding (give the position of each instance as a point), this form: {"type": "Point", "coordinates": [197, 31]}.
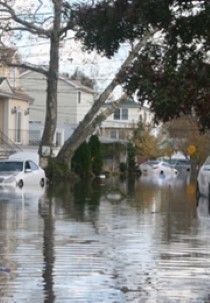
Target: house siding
{"type": "Point", "coordinates": [35, 85]}
{"type": "Point", "coordinates": [67, 103]}
{"type": "Point", "coordinates": [18, 133]}
{"type": "Point", "coordinates": [122, 128]}
{"type": "Point", "coordinates": [86, 102]}
{"type": "Point", "coordinates": [69, 110]}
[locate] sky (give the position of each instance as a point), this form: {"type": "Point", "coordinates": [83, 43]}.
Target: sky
{"type": "Point", "coordinates": [72, 57]}
{"type": "Point", "coordinates": [36, 51]}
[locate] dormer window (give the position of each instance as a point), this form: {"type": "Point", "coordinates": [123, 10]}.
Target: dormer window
{"type": "Point", "coordinates": [121, 114]}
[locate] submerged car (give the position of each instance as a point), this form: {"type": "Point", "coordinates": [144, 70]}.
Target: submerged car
{"type": "Point", "coordinates": [158, 167]}
{"type": "Point", "coordinates": [203, 180]}
{"type": "Point", "coordinates": [19, 172]}
{"type": "Point", "coordinates": [180, 164]}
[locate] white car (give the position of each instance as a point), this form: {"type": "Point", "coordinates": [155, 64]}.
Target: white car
{"type": "Point", "coordinates": [180, 164]}
{"type": "Point", "coordinates": [158, 167]}
{"type": "Point", "coordinates": [19, 172]}
{"type": "Point", "coordinates": [203, 180]}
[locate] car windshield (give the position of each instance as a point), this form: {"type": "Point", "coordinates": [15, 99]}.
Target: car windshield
{"type": "Point", "coordinates": [153, 162]}
{"type": "Point", "coordinates": [11, 166]}
{"type": "Point", "coordinates": [166, 164]}
{"type": "Point", "coordinates": [173, 161]}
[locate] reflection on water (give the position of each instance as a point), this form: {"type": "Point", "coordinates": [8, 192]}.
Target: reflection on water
{"type": "Point", "coordinates": [149, 243]}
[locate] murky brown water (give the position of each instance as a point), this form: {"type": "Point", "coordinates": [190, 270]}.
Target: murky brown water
{"type": "Point", "coordinates": [82, 245]}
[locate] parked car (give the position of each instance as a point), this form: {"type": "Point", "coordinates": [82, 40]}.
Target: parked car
{"type": "Point", "coordinates": [146, 167]}
{"type": "Point", "coordinates": [158, 167]}
{"type": "Point", "coordinates": [203, 180]}
{"type": "Point", "coordinates": [20, 172]}
{"type": "Point", "coordinates": [180, 164]}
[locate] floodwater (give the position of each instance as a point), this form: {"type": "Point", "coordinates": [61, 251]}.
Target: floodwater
{"type": "Point", "coordinates": [112, 241]}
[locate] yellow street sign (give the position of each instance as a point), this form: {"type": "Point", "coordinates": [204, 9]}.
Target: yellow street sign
{"type": "Point", "coordinates": [191, 149]}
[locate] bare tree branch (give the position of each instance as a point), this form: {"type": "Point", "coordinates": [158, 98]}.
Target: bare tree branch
{"type": "Point", "coordinates": [29, 26]}
{"type": "Point", "coordinates": [29, 66]}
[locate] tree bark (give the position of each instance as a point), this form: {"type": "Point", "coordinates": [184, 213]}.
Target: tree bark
{"type": "Point", "coordinates": [52, 84]}
{"type": "Point", "coordinates": [71, 144]}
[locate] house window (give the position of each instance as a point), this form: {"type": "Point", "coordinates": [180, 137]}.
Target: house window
{"type": "Point", "coordinates": [58, 137]}
{"type": "Point", "coordinates": [18, 123]}
{"type": "Point", "coordinates": [121, 134]}
{"type": "Point", "coordinates": [79, 97]}
{"type": "Point", "coordinates": [121, 114]}
{"type": "Point", "coordinates": [117, 114]}
{"type": "Point", "coordinates": [140, 118]}
{"type": "Point", "coordinates": [124, 114]}
{"type": "Point", "coordinates": [113, 134]}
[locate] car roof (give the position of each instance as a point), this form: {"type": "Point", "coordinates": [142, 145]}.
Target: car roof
{"type": "Point", "coordinates": [26, 156]}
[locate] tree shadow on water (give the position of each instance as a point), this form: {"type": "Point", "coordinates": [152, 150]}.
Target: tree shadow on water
{"type": "Point", "coordinates": [78, 199]}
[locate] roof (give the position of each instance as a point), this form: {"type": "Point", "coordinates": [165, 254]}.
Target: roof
{"type": "Point", "coordinates": [19, 93]}
{"type": "Point", "coordinates": [74, 83]}
{"type": "Point", "coordinates": [24, 155]}
{"type": "Point", "coordinates": [7, 91]}
{"type": "Point", "coordinates": [15, 95]}
{"type": "Point", "coordinates": [107, 140]}
{"type": "Point", "coordinates": [127, 103]}
{"type": "Point", "coordinates": [77, 84]}
{"type": "Point", "coordinates": [2, 79]}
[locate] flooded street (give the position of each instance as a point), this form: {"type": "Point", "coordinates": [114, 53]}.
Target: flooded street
{"type": "Point", "coordinates": [147, 241]}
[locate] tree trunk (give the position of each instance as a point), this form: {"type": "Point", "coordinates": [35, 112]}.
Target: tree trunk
{"type": "Point", "coordinates": [81, 134]}
{"type": "Point", "coordinates": [46, 144]}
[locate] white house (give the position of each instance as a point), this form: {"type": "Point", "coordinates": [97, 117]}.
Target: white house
{"type": "Point", "coordinates": [119, 127]}
{"type": "Point", "coordinates": [123, 121]}
{"type": "Point", "coordinates": [74, 101]}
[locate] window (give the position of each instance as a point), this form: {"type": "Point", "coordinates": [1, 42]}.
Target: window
{"type": "Point", "coordinates": [121, 114]}
{"type": "Point", "coordinates": [121, 134]}
{"type": "Point", "coordinates": [79, 97]}
{"type": "Point", "coordinates": [117, 114]}
{"type": "Point", "coordinates": [11, 166]}
{"type": "Point", "coordinates": [18, 123]}
{"type": "Point", "coordinates": [124, 114]}
{"type": "Point", "coordinates": [113, 134]}
{"type": "Point", "coordinates": [33, 165]}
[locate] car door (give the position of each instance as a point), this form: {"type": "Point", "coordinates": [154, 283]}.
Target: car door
{"type": "Point", "coordinates": [28, 173]}
{"type": "Point", "coordinates": [204, 177]}
{"type": "Point", "coordinates": [35, 175]}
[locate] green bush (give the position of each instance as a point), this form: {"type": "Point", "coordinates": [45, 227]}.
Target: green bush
{"type": "Point", "coordinates": [81, 161]}
{"type": "Point", "coordinates": [57, 170]}
{"type": "Point", "coordinates": [96, 154]}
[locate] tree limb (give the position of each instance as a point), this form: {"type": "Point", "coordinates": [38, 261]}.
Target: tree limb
{"type": "Point", "coordinates": [104, 96]}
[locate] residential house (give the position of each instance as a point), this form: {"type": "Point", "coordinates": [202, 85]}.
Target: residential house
{"type": "Point", "coordinates": [74, 101]}
{"type": "Point", "coordinates": [14, 114]}
{"type": "Point", "coordinates": [124, 120]}
{"type": "Point", "coordinates": [14, 107]}
{"type": "Point", "coordinates": [119, 127]}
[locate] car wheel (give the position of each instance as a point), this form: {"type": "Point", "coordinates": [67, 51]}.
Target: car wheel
{"type": "Point", "coordinates": [42, 182]}
{"type": "Point", "coordinates": [20, 183]}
